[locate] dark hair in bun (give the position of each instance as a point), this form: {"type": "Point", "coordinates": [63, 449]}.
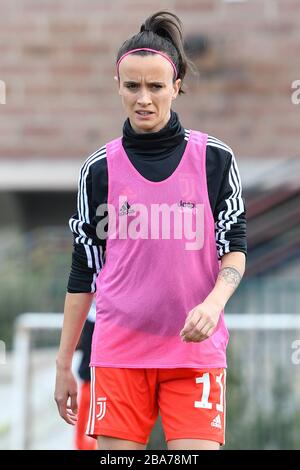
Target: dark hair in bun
{"type": "Point", "coordinates": [161, 31]}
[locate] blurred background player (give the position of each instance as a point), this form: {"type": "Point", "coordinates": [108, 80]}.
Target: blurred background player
{"type": "Point", "coordinates": [81, 440]}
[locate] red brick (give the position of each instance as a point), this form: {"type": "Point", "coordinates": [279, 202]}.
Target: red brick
{"type": "Point", "coordinates": [196, 6]}
{"type": "Point", "coordinates": [58, 58]}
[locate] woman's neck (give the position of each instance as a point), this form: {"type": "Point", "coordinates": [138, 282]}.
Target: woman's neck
{"type": "Point", "coordinates": [154, 143]}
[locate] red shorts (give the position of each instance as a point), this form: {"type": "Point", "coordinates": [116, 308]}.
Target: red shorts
{"type": "Point", "coordinates": [125, 403]}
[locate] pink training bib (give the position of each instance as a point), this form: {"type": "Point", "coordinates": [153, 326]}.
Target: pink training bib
{"type": "Point", "coordinates": [161, 261]}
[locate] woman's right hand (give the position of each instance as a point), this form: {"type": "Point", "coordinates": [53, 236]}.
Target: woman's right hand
{"type": "Point", "coordinates": [66, 394]}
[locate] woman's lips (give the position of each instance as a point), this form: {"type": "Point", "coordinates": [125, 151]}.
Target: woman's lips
{"type": "Point", "coordinates": [147, 115]}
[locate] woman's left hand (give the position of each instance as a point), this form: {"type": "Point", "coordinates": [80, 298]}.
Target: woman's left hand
{"type": "Point", "coordinates": [201, 321]}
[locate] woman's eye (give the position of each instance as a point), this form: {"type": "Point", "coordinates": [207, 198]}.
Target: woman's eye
{"type": "Point", "coordinates": [134, 86]}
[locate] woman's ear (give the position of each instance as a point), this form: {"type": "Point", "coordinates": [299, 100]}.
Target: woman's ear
{"type": "Point", "coordinates": [118, 81]}
{"type": "Point", "coordinates": [176, 88]}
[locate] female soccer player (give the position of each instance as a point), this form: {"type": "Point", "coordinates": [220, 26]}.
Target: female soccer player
{"type": "Point", "coordinates": [173, 233]}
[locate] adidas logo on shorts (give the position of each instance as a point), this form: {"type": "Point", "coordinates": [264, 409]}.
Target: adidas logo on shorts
{"type": "Point", "coordinates": [216, 422]}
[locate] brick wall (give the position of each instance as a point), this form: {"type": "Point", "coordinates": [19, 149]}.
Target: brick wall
{"type": "Point", "coordinates": [57, 60]}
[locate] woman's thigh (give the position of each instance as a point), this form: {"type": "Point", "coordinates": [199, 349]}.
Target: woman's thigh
{"type": "Point", "coordinates": [189, 444]}
{"type": "Point", "coordinates": [112, 443]}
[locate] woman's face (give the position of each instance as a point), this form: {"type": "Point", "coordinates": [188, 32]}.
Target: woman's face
{"type": "Point", "coordinates": [146, 85]}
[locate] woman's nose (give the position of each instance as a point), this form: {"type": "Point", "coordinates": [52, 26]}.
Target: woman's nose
{"type": "Point", "coordinates": [144, 97]}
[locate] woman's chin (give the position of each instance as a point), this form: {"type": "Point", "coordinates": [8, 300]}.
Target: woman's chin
{"type": "Point", "coordinates": [143, 126]}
